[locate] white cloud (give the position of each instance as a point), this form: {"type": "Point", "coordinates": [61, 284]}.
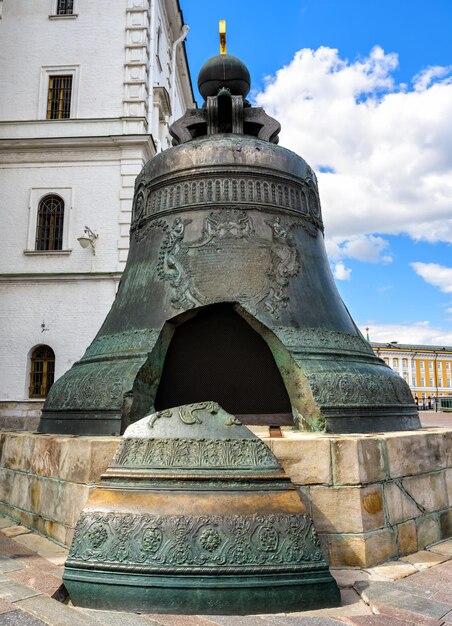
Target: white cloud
{"type": "Point", "coordinates": [385, 147]}
{"type": "Point", "coordinates": [416, 332]}
{"type": "Point", "coordinates": [385, 288]}
{"type": "Point", "coordinates": [424, 79]}
{"type": "Point", "coordinates": [368, 248]}
{"type": "Point", "coordinates": [340, 272]}
{"type": "Point", "coordinates": [435, 274]}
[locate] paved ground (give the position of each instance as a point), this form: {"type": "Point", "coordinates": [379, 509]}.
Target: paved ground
{"type": "Point", "coordinates": [432, 418]}
{"type": "Point", "coordinates": [414, 592]}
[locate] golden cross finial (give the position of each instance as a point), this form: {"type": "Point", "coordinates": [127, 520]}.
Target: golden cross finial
{"type": "Point", "coordinates": [222, 25]}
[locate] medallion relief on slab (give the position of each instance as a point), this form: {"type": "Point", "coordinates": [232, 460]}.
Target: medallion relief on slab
{"type": "Point", "coordinates": [194, 543]}
{"type": "Point", "coordinates": [229, 261]}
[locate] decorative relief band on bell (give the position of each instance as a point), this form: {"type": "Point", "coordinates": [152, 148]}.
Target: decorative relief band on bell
{"type": "Point", "coordinates": [186, 542]}
{"type": "Point", "coordinates": [335, 388]}
{"type": "Point", "coordinates": [302, 198]}
{"type": "Point", "coordinates": [309, 338]}
{"type": "Point", "coordinates": [94, 386]}
{"type": "Point", "coordinates": [128, 341]}
{"type": "Point", "coordinates": [195, 454]}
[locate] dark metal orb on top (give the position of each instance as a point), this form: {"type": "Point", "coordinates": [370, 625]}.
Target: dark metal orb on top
{"type": "Point", "coordinates": [224, 70]}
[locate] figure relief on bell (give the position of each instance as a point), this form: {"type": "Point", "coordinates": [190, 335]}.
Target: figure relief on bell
{"type": "Point", "coordinates": [229, 261]}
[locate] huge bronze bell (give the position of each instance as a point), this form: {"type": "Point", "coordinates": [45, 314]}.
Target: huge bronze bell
{"type": "Point", "coordinates": [227, 293]}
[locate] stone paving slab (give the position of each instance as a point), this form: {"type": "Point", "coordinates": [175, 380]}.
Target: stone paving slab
{"type": "Point", "coordinates": [273, 620]}
{"type": "Point", "coordinates": [236, 620]}
{"type": "Point", "coordinates": [434, 584]}
{"type": "Point", "coordinates": [448, 618]}
{"type": "Point", "coordinates": [20, 618]}
{"type": "Point", "coordinates": [14, 531]}
{"type": "Point", "coordinates": [5, 606]}
{"type": "Point", "coordinates": [34, 560]}
{"type": "Point", "coordinates": [445, 548]}
{"type": "Point", "coordinates": [5, 522]}
{"type": "Point", "coordinates": [13, 550]}
{"type": "Point", "coordinates": [118, 618]}
{"type": "Point", "coordinates": [290, 620]}
{"type": "Point", "coordinates": [406, 615]}
{"type": "Point", "coordinates": [55, 613]}
{"type": "Point", "coordinates": [393, 570]}
{"type": "Point", "coordinates": [38, 579]}
{"type": "Point", "coordinates": [422, 597]}
{"type": "Point", "coordinates": [13, 591]}
{"type": "Point", "coordinates": [182, 620]}
{"type": "Point", "coordinates": [424, 559]}
{"type": "Point", "coordinates": [44, 547]}
{"type": "Point", "coordinates": [351, 604]}
{"type": "Point", "coordinates": [9, 565]}
{"type": "Point", "coordinates": [347, 577]}
{"type": "Point", "coordinates": [391, 598]}
{"type": "Point", "coordinates": [376, 620]}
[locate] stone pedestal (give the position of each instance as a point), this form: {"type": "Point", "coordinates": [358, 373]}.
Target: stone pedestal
{"type": "Point", "coordinates": [372, 497]}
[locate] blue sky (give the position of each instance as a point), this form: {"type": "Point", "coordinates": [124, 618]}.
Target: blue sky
{"type": "Point", "coordinates": [363, 90]}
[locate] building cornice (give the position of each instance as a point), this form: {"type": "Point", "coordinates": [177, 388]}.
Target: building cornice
{"type": "Point", "coordinates": [58, 277]}
{"type": "Point", "coordinates": [99, 141]}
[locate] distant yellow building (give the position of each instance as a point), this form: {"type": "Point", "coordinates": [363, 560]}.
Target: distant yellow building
{"type": "Point", "coordinates": [427, 369]}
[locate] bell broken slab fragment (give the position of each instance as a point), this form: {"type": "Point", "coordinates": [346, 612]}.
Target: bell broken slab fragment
{"type": "Point", "coordinates": [195, 515]}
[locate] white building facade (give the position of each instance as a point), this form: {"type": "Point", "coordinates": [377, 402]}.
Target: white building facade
{"type": "Point", "coordinates": [87, 93]}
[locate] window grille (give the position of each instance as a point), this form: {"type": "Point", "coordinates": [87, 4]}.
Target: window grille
{"type": "Point", "coordinates": [42, 371]}
{"type": "Point", "coordinates": [49, 228]}
{"type": "Point", "coordinates": [59, 98]}
{"type": "Point", "coordinates": [65, 7]}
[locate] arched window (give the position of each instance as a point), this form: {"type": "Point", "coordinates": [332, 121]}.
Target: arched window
{"type": "Point", "coordinates": [49, 229]}
{"type": "Point", "coordinates": [42, 371]}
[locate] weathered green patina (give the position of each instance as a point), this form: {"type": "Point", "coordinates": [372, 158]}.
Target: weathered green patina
{"type": "Point", "coordinates": [195, 515]}
{"type": "Point", "coordinates": [228, 218]}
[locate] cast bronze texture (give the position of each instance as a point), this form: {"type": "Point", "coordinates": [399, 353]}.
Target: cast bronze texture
{"type": "Point", "coordinates": [195, 515]}
{"type": "Point", "coordinates": [228, 293]}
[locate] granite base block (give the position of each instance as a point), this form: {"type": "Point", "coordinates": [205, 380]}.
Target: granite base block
{"type": "Point", "coordinates": [371, 498]}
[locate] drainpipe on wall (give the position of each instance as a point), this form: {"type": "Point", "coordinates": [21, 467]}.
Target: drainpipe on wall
{"type": "Point", "coordinates": [185, 31]}
{"type": "Point", "coordinates": [152, 31]}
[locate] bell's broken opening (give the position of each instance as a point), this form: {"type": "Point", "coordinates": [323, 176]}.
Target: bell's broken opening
{"type": "Point", "coordinates": [216, 355]}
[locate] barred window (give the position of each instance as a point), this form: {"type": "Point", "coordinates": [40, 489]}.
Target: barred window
{"type": "Point", "coordinates": [59, 97]}
{"type": "Point", "coordinates": [49, 228]}
{"type": "Point", "coordinates": [42, 371]}
{"type": "Point", "coordinates": [65, 7]}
